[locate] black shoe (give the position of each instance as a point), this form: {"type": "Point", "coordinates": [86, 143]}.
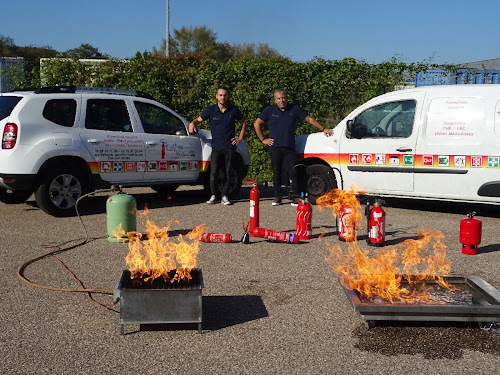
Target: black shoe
{"type": "Point", "coordinates": [295, 202]}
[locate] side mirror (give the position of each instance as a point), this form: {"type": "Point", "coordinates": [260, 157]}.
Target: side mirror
{"type": "Point", "coordinates": [350, 126]}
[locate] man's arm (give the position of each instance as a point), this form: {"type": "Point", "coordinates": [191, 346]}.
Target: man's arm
{"type": "Point", "coordinates": [316, 124]}
{"type": "Point", "coordinates": [193, 125]}
{"type": "Point", "coordinates": [243, 123]}
{"type": "Point", "coordinates": [257, 125]}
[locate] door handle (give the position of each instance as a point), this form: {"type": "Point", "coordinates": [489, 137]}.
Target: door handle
{"type": "Point", "coordinates": [402, 149]}
{"type": "Point", "coordinates": [152, 143]}
{"type": "Point", "coordinates": [93, 140]}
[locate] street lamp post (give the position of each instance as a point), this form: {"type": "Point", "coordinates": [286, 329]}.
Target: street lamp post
{"type": "Point", "coordinates": [167, 44]}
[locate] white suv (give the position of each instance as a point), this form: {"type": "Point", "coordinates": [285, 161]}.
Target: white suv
{"type": "Point", "coordinates": [62, 142]}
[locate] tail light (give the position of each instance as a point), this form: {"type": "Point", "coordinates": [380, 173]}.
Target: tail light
{"type": "Point", "coordinates": [9, 137]}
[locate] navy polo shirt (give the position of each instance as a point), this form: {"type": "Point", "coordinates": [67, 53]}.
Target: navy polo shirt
{"type": "Point", "coordinates": [282, 124]}
{"type": "Point", "coordinates": [222, 125]}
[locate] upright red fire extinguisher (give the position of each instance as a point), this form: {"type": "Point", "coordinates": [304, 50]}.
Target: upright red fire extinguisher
{"type": "Point", "coordinates": [254, 209]}
{"type": "Point", "coordinates": [470, 234]}
{"type": "Point", "coordinates": [375, 224]}
{"type": "Point", "coordinates": [303, 227]}
{"type": "Point", "coordinates": [347, 231]}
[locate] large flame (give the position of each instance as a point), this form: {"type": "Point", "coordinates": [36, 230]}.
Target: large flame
{"type": "Point", "coordinates": [381, 275]}
{"type": "Point", "coordinates": [158, 254]}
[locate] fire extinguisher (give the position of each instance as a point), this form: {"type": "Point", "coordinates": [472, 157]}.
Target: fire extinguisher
{"type": "Point", "coordinates": [276, 235]}
{"type": "Point", "coordinates": [254, 209]}
{"type": "Point", "coordinates": [347, 230]}
{"type": "Point", "coordinates": [470, 234]}
{"type": "Point", "coordinates": [303, 227]}
{"type": "Point", "coordinates": [375, 223]}
{"type": "Point", "coordinates": [215, 237]}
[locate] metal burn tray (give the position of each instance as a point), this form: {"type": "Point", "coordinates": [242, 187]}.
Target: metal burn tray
{"type": "Point", "coordinates": [474, 301]}
{"type": "Point", "coordinates": [160, 301]}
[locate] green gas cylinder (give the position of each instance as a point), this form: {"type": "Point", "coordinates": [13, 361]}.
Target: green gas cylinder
{"type": "Point", "coordinates": [121, 209]}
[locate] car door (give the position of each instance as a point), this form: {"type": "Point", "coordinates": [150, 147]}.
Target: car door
{"type": "Point", "coordinates": [110, 136]}
{"type": "Point", "coordinates": [172, 155]}
{"type": "Point", "coordinates": [378, 149]}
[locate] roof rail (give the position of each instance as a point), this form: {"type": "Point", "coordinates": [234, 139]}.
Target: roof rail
{"type": "Point", "coordinates": [96, 90]}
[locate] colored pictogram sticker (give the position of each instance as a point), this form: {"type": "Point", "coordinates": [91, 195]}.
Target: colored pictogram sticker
{"type": "Point", "coordinates": [173, 166]}
{"type": "Point", "coordinates": [443, 161]}
{"type": "Point", "coordinates": [184, 165]}
{"type": "Point", "coordinates": [366, 158]}
{"type": "Point", "coordinates": [105, 166]}
{"type": "Point", "coordinates": [493, 161]}
{"type": "Point", "coordinates": [162, 166]}
{"type": "Point", "coordinates": [141, 166]}
{"type": "Point", "coordinates": [193, 165]}
{"type": "Point", "coordinates": [353, 159]}
{"type": "Point", "coordinates": [476, 161]}
{"type": "Point", "coordinates": [408, 160]}
{"type": "Point", "coordinates": [380, 159]}
{"type": "Point", "coordinates": [428, 160]}
{"type": "Point", "coordinates": [129, 166]}
{"type": "Point", "coordinates": [394, 160]}
{"type": "Point", "coordinates": [152, 166]}
{"type": "Point", "coordinates": [117, 166]}
{"type": "Point", "coordinates": [459, 161]}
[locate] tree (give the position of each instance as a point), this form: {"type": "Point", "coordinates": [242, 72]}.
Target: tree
{"type": "Point", "coordinates": [202, 41]}
{"type": "Point", "coordinates": [85, 51]}
{"type": "Point", "coordinates": [6, 46]}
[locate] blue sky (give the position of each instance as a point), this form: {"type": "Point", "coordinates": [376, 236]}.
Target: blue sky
{"type": "Point", "coordinates": [439, 31]}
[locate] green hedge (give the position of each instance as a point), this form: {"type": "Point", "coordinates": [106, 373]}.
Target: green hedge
{"type": "Point", "coordinates": [327, 89]}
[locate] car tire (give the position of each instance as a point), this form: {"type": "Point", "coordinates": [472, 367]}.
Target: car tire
{"type": "Point", "coordinates": [14, 197]}
{"type": "Point", "coordinates": [59, 191]}
{"type": "Point", "coordinates": [320, 180]}
{"type": "Point", "coordinates": [235, 176]}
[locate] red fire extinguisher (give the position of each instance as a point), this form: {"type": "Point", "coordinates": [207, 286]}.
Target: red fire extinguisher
{"type": "Point", "coordinates": [470, 234]}
{"type": "Point", "coordinates": [215, 237]}
{"type": "Point", "coordinates": [375, 224]}
{"type": "Point", "coordinates": [254, 209]}
{"type": "Point", "coordinates": [347, 230]}
{"type": "Point", "coordinates": [276, 235]}
{"type": "Point", "coordinates": [303, 227]}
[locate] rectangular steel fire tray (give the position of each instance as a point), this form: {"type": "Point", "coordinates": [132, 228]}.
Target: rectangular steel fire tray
{"type": "Point", "coordinates": [160, 301]}
{"type": "Point", "coordinates": [475, 301]}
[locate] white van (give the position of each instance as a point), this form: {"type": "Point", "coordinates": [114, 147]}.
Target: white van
{"type": "Point", "coordinates": [431, 142]}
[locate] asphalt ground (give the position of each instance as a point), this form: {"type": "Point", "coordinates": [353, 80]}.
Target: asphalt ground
{"type": "Point", "coordinates": [268, 308]}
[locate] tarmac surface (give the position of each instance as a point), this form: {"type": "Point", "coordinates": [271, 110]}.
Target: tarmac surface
{"type": "Point", "coordinates": [268, 308]}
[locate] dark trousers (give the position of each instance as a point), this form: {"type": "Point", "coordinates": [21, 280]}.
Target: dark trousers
{"type": "Point", "coordinates": [287, 158]}
{"type": "Point", "coordinates": [221, 157]}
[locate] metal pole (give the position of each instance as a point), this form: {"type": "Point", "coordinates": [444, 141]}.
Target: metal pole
{"type": "Point", "coordinates": [167, 44]}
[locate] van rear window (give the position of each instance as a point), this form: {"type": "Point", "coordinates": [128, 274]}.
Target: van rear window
{"type": "Point", "coordinates": [7, 104]}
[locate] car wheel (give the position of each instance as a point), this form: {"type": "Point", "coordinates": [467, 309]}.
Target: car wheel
{"type": "Point", "coordinates": [235, 180]}
{"type": "Point", "coordinates": [14, 196]}
{"type": "Point", "coordinates": [320, 180]}
{"type": "Point", "coordinates": [59, 190]}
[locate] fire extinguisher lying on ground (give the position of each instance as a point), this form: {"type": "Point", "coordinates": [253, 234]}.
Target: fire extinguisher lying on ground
{"type": "Point", "coordinates": [470, 234]}
{"type": "Point", "coordinates": [375, 217]}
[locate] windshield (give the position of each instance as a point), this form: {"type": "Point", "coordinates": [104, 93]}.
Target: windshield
{"type": "Point", "coordinates": [7, 104]}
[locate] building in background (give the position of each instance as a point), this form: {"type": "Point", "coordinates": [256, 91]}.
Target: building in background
{"type": "Point", "coordinates": [6, 65]}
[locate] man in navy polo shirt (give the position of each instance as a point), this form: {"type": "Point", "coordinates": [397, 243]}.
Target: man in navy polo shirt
{"type": "Point", "coordinates": [282, 119]}
{"type": "Point", "coordinates": [222, 117]}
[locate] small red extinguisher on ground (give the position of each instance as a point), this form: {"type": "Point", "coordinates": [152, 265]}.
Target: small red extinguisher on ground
{"type": "Point", "coordinates": [254, 209]}
{"type": "Point", "coordinates": [347, 231]}
{"type": "Point", "coordinates": [215, 237]}
{"type": "Point", "coordinates": [470, 234]}
{"type": "Point", "coordinates": [303, 227]}
{"type": "Point", "coordinates": [276, 235]}
{"type": "Point", "coordinates": [375, 224]}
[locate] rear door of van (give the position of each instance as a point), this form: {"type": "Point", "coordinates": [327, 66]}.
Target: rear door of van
{"type": "Point", "coordinates": [458, 146]}
{"type": "Point", "coordinates": [379, 153]}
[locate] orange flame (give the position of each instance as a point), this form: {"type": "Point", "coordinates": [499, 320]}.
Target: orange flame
{"type": "Point", "coordinates": [380, 275]}
{"type": "Point", "coordinates": [158, 254]}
